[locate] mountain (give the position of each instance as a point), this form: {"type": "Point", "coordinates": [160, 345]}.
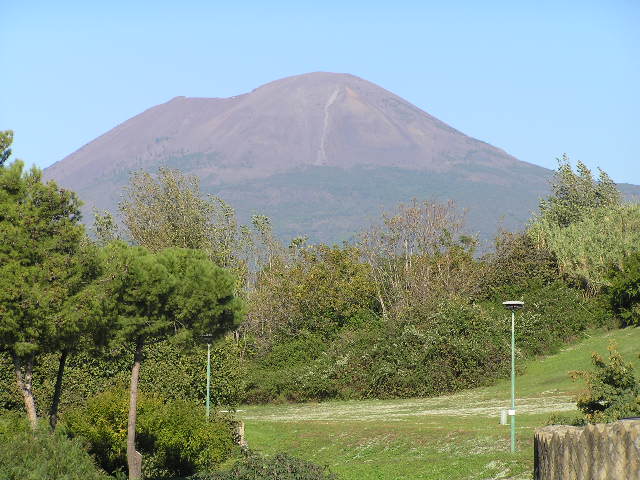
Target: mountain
{"type": "Point", "coordinates": [320, 153]}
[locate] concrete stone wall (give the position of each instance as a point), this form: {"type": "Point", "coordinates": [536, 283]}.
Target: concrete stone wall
{"type": "Point", "coordinates": [609, 451]}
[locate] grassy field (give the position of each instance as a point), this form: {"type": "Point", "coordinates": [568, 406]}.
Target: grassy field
{"type": "Point", "coordinates": [451, 437]}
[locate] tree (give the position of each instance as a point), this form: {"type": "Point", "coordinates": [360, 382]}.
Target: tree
{"type": "Point", "coordinates": [574, 194]}
{"type": "Point", "coordinates": [324, 288]}
{"type": "Point", "coordinates": [6, 139]}
{"type": "Point", "coordinates": [168, 210]}
{"type": "Point", "coordinates": [588, 248]}
{"type": "Point", "coordinates": [105, 227]}
{"type": "Point", "coordinates": [419, 253]}
{"type": "Point", "coordinates": [81, 270]}
{"type": "Point", "coordinates": [624, 292]}
{"type": "Point", "coordinates": [612, 390]}
{"type": "Point", "coordinates": [150, 296]}
{"type": "Point", "coordinates": [39, 236]}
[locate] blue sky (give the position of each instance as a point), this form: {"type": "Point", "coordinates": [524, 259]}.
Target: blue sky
{"type": "Point", "coordinates": [534, 78]}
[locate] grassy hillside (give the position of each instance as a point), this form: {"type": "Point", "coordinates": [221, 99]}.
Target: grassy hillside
{"type": "Point", "coordinates": [451, 437]}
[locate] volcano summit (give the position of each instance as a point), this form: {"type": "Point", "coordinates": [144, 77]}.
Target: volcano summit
{"type": "Point", "coordinates": [319, 153]}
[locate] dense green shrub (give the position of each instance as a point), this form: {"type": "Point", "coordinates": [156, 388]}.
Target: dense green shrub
{"type": "Point", "coordinates": [430, 351]}
{"type": "Point", "coordinates": [103, 425]}
{"type": "Point", "coordinates": [174, 436]}
{"type": "Point", "coordinates": [573, 419]}
{"type": "Point", "coordinates": [298, 309]}
{"type": "Point", "coordinates": [521, 268]}
{"type": "Point", "coordinates": [174, 372]}
{"type": "Point", "coordinates": [41, 455]}
{"type": "Point", "coordinates": [294, 369]}
{"type": "Point", "coordinates": [612, 389]}
{"type": "Point", "coordinates": [516, 266]}
{"type": "Point", "coordinates": [554, 313]}
{"type": "Point", "coordinates": [279, 467]}
{"type": "Point", "coordinates": [624, 292]}
{"type": "Point", "coordinates": [320, 291]}
{"type": "Point", "coordinates": [10, 398]}
{"type": "Point", "coordinates": [183, 441]}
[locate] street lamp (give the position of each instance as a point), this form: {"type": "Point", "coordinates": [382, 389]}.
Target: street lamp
{"type": "Point", "coordinates": [208, 337]}
{"type": "Point", "coordinates": [513, 305]}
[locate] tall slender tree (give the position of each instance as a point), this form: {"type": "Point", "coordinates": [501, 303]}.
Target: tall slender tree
{"type": "Point", "coordinates": [39, 236]}
{"type": "Point", "coordinates": [153, 296]}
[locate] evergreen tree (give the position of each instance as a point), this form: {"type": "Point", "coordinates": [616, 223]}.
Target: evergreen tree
{"type": "Point", "coordinates": [150, 297]}
{"type": "Point", "coordinates": [40, 235]}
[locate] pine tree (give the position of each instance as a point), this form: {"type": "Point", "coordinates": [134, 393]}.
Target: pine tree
{"type": "Point", "coordinates": [40, 235]}
{"type": "Point", "coordinates": [150, 297]}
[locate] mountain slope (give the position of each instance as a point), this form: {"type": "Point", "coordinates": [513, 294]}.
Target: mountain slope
{"type": "Point", "coordinates": [321, 153]}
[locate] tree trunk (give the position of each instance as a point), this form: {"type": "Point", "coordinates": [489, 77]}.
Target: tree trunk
{"type": "Point", "coordinates": [382, 305]}
{"type": "Point", "coordinates": [134, 458]}
{"type": "Point", "coordinates": [24, 375]}
{"type": "Point", "coordinates": [53, 412]}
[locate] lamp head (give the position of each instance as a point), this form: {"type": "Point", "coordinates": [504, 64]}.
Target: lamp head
{"type": "Point", "coordinates": [513, 305]}
{"type": "Point", "coordinates": [207, 337]}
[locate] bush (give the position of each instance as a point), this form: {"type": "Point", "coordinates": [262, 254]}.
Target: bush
{"type": "Point", "coordinates": [452, 346]}
{"type": "Point", "coordinates": [624, 293]}
{"type": "Point", "coordinates": [518, 264]}
{"type": "Point", "coordinates": [174, 437]}
{"type": "Point", "coordinates": [183, 441]}
{"type": "Point", "coordinates": [41, 455]}
{"type": "Point", "coordinates": [612, 390]}
{"type": "Point", "coordinates": [554, 313]}
{"type": "Point", "coordinates": [573, 419]}
{"type": "Point", "coordinates": [279, 467]}
{"type": "Point", "coordinates": [10, 397]}
{"type": "Point", "coordinates": [293, 370]}
{"type": "Point", "coordinates": [320, 290]}
{"type": "Point", "coordinates": [430, 349]}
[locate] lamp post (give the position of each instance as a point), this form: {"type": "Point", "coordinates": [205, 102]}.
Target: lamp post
{"type": "Point", "coordinates": [513, 305]}
{"type": "Point", "coordinates": [207, 338]}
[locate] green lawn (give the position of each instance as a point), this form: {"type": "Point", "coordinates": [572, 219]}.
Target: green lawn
{"type": "Point", "coordinates": [450, 437]}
